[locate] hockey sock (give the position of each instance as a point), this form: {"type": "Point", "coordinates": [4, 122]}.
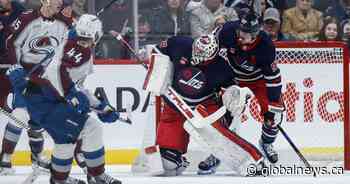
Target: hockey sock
{"type": "Point", "coordinates": [269, 134]}
{"type": "Point", "coordinates": [60, 168]}
{"type": "Point", "coordinates": [61, 161]}
{"type": "Point", "coordinates": [36, 140]}
{"type": "Point", "coordinates": [95, 162]}
{"type": "Point", "coordinates": [10, 139]}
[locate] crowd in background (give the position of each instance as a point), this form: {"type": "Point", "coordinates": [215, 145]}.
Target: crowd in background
{"type": "Point", "coordinates": [308, 20]}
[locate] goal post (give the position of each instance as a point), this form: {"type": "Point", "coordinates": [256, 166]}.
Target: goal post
{"type": "Point", "coordinates": [295, 52]}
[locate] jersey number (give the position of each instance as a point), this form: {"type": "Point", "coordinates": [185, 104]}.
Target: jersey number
{"type": "Point", "coordinates": [17, 24]}
{"type": "Point", "coordinates": [77, 56]}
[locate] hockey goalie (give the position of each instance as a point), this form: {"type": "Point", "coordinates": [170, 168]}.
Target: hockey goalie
{"type": "Point", "coordinates": [198, 72]}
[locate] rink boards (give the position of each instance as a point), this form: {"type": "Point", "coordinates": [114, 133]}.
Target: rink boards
{"type": "Point", "coordinates": [312, 92]}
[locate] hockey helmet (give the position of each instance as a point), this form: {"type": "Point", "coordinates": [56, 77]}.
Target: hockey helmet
{"type": "Point", "coordinates": [89, 26]}
{"type": "Point", "coordinates": [204, 48]}
{"type": "Point", "coordinates": [249, 23]}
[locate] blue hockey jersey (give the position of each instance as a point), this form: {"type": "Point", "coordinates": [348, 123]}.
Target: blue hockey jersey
{"type": "Point", "coordinates": [195, 83]}
{"type": "Point", "coordinates": [251, 63]}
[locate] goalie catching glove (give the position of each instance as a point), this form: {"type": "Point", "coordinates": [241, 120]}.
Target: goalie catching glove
{"type": "Point", "coordinates": [235, 99]}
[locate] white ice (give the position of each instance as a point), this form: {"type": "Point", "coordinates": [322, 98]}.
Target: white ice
{"type": "Point", "coordinates": [123, 173]}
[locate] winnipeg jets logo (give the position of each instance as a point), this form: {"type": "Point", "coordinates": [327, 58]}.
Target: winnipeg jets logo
{"type": "Point", "coordinates": [193, 82]}
{"type": "Point", "coordinates": [43, 44]}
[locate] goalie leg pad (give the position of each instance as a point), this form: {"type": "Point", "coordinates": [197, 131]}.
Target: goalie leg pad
{"type": "Point", "coordinates": [173, 162]}
{"type": "Point", "coordinates": [159, 75]}
{"type": "Point", "coordinates": [171, 125]}
{"type": "Point", "coordinates": [231, 149]}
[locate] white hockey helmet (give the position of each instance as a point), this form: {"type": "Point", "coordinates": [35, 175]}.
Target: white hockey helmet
{"type": "Point", "coordinates": [89, 26]}
{"type": "Point", "coordinates": [204, 48]}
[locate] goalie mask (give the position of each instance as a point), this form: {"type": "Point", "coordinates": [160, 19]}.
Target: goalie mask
{"type": "Point", "coordinates": [89, 27]}
{"type": "Point", "coordinates": [204, 49]}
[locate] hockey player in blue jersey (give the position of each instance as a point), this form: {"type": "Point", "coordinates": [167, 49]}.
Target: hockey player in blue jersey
{"type": "Point", "coordinates": [252, 57]}
{"type": "Point", "coordinates": [197, 71]}
{"type": "Point", "coordinates": [60, 104]}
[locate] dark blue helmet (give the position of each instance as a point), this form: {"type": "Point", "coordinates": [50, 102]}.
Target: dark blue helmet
{"type": "Point", "coordinates": [249, 23]}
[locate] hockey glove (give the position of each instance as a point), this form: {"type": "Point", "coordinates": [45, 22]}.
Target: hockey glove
{"type": "Point", "coordinates": [16, 75]}
{"type": "Point", "coordinates": [274, 115]}
{"type": "Point", "coordinates": [108, 113]}
{"type": "Point", "coordinates": [78, 100]}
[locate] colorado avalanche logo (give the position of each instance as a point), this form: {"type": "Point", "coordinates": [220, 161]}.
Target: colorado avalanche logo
{"type": "Point", "coordinates": [191, 81]}
{"type": "Point", "coordinates": [43, 44]}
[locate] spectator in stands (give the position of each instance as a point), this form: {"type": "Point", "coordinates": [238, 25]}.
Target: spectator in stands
{"type": "Point", "coordinates": [302, 21]}
{"type": "Point", "coordinates": [245, 5]}
{"type": "Point", "coordinates": [68, 9]}
{"type": "Point", "coordinates": [118, 18]}
{"type": "Point", "coordinates": [170, 20]}
{"type": "Point", "coordinates": [339, 9]}
{"type": "Point", "coordinates": [77, 6]}
{"type": "Point", "coordinates": [192, 4]}
{"type": "Point", "coordinates": [346, 31]}
{"type": "Point", "coordinates": [272, 24]}
{"type": "Point", "coordinates": [331, 30]}
{"type": "Point", "coordinates": [144, 31]}
{"type": "Point", "coordinates": [280, 5]}
{"type": "Point", "coordinates": [203, 18]}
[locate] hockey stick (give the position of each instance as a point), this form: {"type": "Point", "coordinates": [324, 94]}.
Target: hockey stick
{"type": "Point", "coordinates": [194, 117]}
{"type": "Point", "coordinates": [295, 148]}
{"type": "Point", "coordinates": [18, 122]}
{"type": "Point", "coordinates": [105, 7]}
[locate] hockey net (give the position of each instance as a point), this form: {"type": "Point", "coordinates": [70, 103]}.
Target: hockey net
{"type": "Point", "coordinates": [316, 94]}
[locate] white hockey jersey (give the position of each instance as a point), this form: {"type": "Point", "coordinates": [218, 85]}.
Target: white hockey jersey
{"type": "Point", "coordinates": [32, 35]}
{"type": "Point", "coordinates": [70, 67]}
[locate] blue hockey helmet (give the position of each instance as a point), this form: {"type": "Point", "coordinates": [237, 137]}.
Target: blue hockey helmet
{"type": "Point", "coordinates": [249, 23]}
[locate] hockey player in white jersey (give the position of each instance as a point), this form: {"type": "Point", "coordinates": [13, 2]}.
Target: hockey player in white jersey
{"type": "Point", "coordinates": [29, 38]}
{"type": "Point", "coordinates": [62, 107]}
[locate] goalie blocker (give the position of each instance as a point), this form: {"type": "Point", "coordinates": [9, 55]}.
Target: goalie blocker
{"type": "Point", "coordinates": [173, 133]}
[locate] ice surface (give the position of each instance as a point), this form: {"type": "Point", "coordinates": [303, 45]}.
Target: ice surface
{"type": "Point", "coordinates": [123, 173]}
